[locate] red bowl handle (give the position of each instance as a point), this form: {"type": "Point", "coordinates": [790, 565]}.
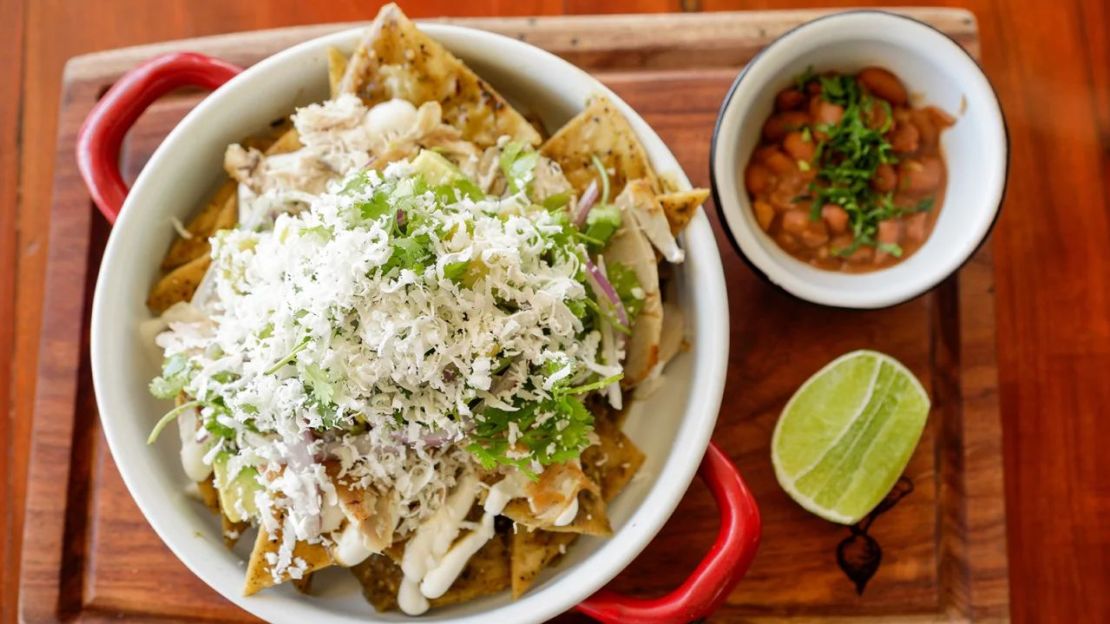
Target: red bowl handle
{"type": "Point", "coordinates": [704, 590]}
{"type": "Point", "coordinates": [100, 137]}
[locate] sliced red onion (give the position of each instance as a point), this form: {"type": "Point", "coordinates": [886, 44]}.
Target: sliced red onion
{"type": "Point", "coordinates": [603, 287]}
{"type": "Point", "coordinates": [589, 198]}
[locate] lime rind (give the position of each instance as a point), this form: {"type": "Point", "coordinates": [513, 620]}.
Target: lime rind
{"type": "Point", "coordinates": [840, 464]}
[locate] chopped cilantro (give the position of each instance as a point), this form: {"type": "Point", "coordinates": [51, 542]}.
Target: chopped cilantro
{"type": "Point", "coordinates": [601, 223]}
{"type": "Point", "coordinates": [550, 431]}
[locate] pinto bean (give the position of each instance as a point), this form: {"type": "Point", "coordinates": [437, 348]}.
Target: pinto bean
{"type": "Point", "coordinates": [780, 123]}
{"type": "Point", "coordinates": [825, 112]}
{"type": "Point", "coordinates": [787, 241]}
{"type": "Point", "coordinates": [884, 84]}
{"type": "Point", "coordinates": [764, 214]}
{"type": "Point", "coordinates": [840, 241]}
{"type": "Point", "coordinates": [757, 178]}
{"type": "Point", "coordinates": [794, 221]}
{"type": "Point", "coordinates": [814, 235]}
{"type": "Point", "coordinates": [885, 178]}
{"type": "Point", "coordinates": [920, 176]}
{"type": "Point", "coordinates": [799, 146]}
{"type": "Point", "coordinates": [835, 217]}
{"type": "Point", "coordinates": [789, 99]}
{"type": "Point", "coordinates": [762, 154]}
{"type": "Point", "coordinates": [861, 255]}
{"type": "Point", "coordinates": [890, 231]}
{"type": "Point", "coordinates": [783, 198]}
{"type": "Point", "coordinates": [926, 127]}
{"type": "Point", "coordinates": [916, 227]}
{"type": "Point", "coordinates": [780, 163]}
{"type": "Point", "coordinates": [876, 116]}
{"type": "Point", "coordinates": [905, 138]}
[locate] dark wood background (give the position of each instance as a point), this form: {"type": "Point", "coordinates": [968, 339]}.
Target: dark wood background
{"type": "Point", "coordinates": [1051, 64]}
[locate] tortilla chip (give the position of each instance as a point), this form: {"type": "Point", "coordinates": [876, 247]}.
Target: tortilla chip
{"type": "Point", "coordinates": [380, 579]}
{"type": "Point", "coordinates": [289, 141]}
{"type": "Point", "coordinates": [592, 518]}
{"type": "Point", "coordinates": [231, 531]}
{"type": "Point", "coordinates": [551, 493]}
{"type": "Point", "coordinates": [220, 213]}
{"type": "Point", "coordinates": [259, 575]}
{"type": "Point", "coordinates": [603, 131]}
{"type": "Point", "coordinates": [397, 60]}
{"type": "Point", "coordinates": [680, 207]}
{"type": "Point", "coordinates": [208, 495]}
{"type": "Point", "coordinates": [374, 514]}
{"type": "Point", "coordinates": [303, 584]}
{"type": "Point", "coordinates": [177, 285]}
{"type": "Point", "coordinates": [613, 461]}
{"type": "Point", "coordinates": [532, 551]}
{"type": "Point", "coordinates": [337, 66]}
{"type": "Point", "coordinates": [486, 573]}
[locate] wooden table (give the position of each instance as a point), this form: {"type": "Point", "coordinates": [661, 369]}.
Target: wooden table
{"type": "Point", "coordinates": [1051, 65]}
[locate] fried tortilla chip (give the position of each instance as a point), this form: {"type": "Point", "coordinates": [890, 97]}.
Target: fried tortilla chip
{"type": "Point", "coordinates": [289, 141]}
{"type": "Point", "coordinates": [613, 461]}
{"type": "Point", "coordinates": [487, 572]}
{"type": "Point", "coordinates": [547, 497]}
{"type": "Point", "coordinates": [220, 213]}
{"type": "Point", "coordinates": [177, 285]}
{"type": "Point", "coordinates": [680, 207]}
{"type": "Point", "coordinates": [208, 495]}
{"type": "Point", "coordinates": [303, 584]}
{"type": "Point", "coordinates": [397, 60]}
{"type": "Point", "coordinates": [602, 131]}
{"type": "Point", "coordinates": [259, 572]}
{"type": "Point", "coordinates": [374, 514]}
{"type": "Point", "coordinates": [230, 530]}
{"type": "Point", "coordinates": [592, 517]}
{"type": "Point", "coordinates": [532, 551]}
{"type": "Point", "coordinates": [337, 66]}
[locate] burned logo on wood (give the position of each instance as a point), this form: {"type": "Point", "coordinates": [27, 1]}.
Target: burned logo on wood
{"type": "Point", "coordinates": [859, 555]}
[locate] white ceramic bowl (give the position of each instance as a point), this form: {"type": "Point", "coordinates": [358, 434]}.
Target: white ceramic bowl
{"type": "Point", "coordinates": [673, 431]}
{"type": "Point", "coordinates": [937, 71]}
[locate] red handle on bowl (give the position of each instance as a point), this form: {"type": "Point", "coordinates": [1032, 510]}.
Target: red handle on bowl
{"type": "Point", "coordinates": [708, 586]}
{"type": "Point", "coordinates": [100, 137]}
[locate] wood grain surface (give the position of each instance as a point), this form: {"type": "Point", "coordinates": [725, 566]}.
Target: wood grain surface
{"type": "Point", "coordinates": [109, 562]}
{"type": "Point", "coordinates": [1049, 62]}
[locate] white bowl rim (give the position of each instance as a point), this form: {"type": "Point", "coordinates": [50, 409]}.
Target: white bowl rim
{"type": "Point", "coordinates": [608, 559]}
{"type": "Point", "coordinates": [765, 267]}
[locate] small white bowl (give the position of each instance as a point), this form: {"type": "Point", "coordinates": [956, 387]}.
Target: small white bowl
{"type": "Point", "coordinates": [938, 72]}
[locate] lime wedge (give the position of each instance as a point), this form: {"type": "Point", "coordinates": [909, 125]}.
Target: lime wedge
{"type": "Point", "coordinates": [847, 433]}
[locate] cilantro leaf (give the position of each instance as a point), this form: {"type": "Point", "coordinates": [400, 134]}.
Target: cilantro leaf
{"type": "Point", "coordinates": [554, 430]}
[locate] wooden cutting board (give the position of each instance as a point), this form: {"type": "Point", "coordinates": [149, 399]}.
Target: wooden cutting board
{"type": "Point", "coordinates": [89, 555]}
